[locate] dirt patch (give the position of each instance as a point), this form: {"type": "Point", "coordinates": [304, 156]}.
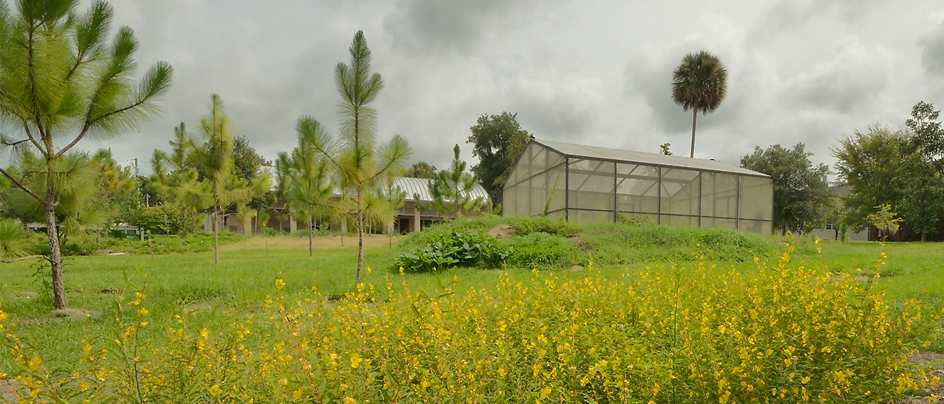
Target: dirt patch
{"type": "Point", "coordinates": [502, 232]}
{"type": "Point", "coordinates": [78, 314]}
{"type": "Point", "coordinates": [7, 389]}
{"type": "Point", "coordinates": [301, 243]}
{"type": "Point", "coordinates": [197, 307]}
{"type": "Point", "coordinates": [931, 360]}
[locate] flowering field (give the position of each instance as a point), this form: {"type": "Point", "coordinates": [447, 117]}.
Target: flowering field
{"type": "Point", "coordinates": [777, 330]}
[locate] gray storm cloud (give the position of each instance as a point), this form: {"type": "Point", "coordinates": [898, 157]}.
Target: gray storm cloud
{"type": "Point", "coordinates": [595, 72]}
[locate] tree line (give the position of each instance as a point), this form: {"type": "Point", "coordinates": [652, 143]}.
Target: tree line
{"type": "Point", "coordinates": [894, 178]}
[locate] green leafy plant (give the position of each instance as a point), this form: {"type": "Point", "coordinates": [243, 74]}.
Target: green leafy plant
{"type": "Point", "coordinates": [456, 249]}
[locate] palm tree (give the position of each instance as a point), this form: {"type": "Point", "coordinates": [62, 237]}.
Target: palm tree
{"type": "Point", "coordinates": [699, 83]}
{"type": "Point", "coordinates": [358, 160]}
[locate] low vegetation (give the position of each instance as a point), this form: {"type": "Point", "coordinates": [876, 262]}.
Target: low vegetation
{"type": "Point", "coordinates": [545, 243]}
{"type": "Point", "coordinates": [811, 324]}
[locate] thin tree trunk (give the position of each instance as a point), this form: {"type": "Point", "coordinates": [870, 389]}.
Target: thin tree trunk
{"type": "Point", "coordinates": [360, 236]}
{"type": "Point", "coordinates": [216, 233]}
{"type": "Point", "coordinates": [55, 256]}
{"type": "Point", "coordinates": [311, 228]}
{"type": "Point", "coordinates": [694, 118]}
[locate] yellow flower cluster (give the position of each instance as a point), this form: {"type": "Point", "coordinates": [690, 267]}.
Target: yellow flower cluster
{"type": "Point", "coordinates": [694, 334]}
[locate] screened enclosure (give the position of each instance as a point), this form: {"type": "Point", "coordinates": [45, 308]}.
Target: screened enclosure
{"type": "Point", "coordinates": [583, 183]}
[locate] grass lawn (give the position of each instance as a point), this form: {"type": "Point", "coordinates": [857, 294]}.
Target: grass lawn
{"type": "Point", "coordinates": [241, 283]}
{"type": "Point", "coordinates": [212, 296]}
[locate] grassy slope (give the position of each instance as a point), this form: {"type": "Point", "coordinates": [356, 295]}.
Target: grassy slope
{"type": "Point", "coordinates": [189, 283]}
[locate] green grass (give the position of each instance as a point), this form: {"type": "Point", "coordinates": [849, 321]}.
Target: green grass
{"type": "Point", "coordinates": [189, 284]}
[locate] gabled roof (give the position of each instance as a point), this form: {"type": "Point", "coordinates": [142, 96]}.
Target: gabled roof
{"type": "Point", "coordinates": [420, 188]}
{"type": "Point", "coordinates": [628, 156]}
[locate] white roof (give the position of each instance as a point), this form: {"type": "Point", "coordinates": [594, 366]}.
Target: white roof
{"type": "Point", "coordinates": [420, 188]}
{"type": "Point", "coordinates": [602, 153]}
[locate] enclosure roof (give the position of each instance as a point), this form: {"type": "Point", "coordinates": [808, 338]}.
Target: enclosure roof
{"type": "Point", "coordinates": [420, 188]}
{"type": "Point", "coordinates": [628, 156]}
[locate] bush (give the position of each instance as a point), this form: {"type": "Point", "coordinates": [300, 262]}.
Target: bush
{"type": "Point", "coordinates": [542, 250]}
{"type": "Point", "coordinates": [303, 233]}
{"type": "Point", "coordinates": [456, 249]}
{"type": "Point", "coordinates": [13, 239]}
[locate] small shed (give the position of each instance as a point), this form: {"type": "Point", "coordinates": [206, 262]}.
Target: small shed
{"type": "Point", "coordinates": [586, 183]}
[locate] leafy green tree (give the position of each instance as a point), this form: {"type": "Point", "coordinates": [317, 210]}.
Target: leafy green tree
{"type": "Point", "coordinates": [116, 187]}
{"type": "Point", "coordinates": [801, 189]}
{"type": "Point", "coordinates": [498, 141]}
{"type": "Point", "coordinates": [247, 163]}
{"type": "Point", "coordinates": [923, 173]}
{"type": "Point", "coordinates": [664, 149]}
{"type": "Point", "coordinates": [62, 81]}
{"type": "Point", "coordinates": [308, 186]}
{"type": "Point", "coordinates": [928, 135]}
{"type": "Point", "coordinates": [420, 170]}
{"type": "Point", "coordinates": [356, 157]}
{"type": "Point", "coordinates": [215, 158]}
{"type": "Point", "coordinates": [452, 189]}
{"type": "Point", "coordinates": [699, 83]}
{"type": "Point", "coordinates": [871, 164]}
{"type": "Point", "coordinates": [884, 219]}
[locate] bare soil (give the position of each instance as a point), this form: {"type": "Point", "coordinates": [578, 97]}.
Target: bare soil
{"type": "Point", "coordinates": [932, 360]}
{"type": "Point", "coordinates": [301, 243]}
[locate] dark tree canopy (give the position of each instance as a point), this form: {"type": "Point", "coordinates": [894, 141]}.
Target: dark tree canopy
{"type": "Point", "coordinates": [247, 163]}
{"type": "Point", "coordinates": [420, 170]}
{"type": "Point", "coordinates": [498, 141]}
{"type": "Point", "coordinates": [924, 171]}
{"type": "Point", "coordinates": [801, 190]}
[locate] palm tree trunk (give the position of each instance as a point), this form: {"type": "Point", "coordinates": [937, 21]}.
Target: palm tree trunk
{"type": "Point", "coordinates": [694, 118]}
{"type": "Point", "coordinates": [55, 255]}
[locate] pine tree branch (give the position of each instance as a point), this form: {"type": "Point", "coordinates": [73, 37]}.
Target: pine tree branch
{"type": "Point", "coordinates": [19, 184]}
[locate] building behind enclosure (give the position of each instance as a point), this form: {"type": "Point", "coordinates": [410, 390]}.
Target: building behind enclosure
{"type": "Point", "coordinates": [415, 214]}
{"type": "Point", "coordinates": [584, 183]}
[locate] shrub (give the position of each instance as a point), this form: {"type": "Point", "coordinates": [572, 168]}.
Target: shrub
{"type": "Point", "coordinates": [13, 239]}
{"type": "Point", "coordinates": [542, 250]}
{"type": "Point", "coordinates": [303, 233]}
{"type": "Point", "coordinates": [456, 249]}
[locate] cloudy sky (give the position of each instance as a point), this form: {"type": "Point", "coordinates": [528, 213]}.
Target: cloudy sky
{"type": "Point", "coordinates": [593, 72]}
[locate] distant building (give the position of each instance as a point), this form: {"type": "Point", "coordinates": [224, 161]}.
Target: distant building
{"type": "Point", "coordinates": [831, 231]}
{"type": "Point", "coordinates": [409, 218]}
{"type": "Point", "coordinates": [585, 183]}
